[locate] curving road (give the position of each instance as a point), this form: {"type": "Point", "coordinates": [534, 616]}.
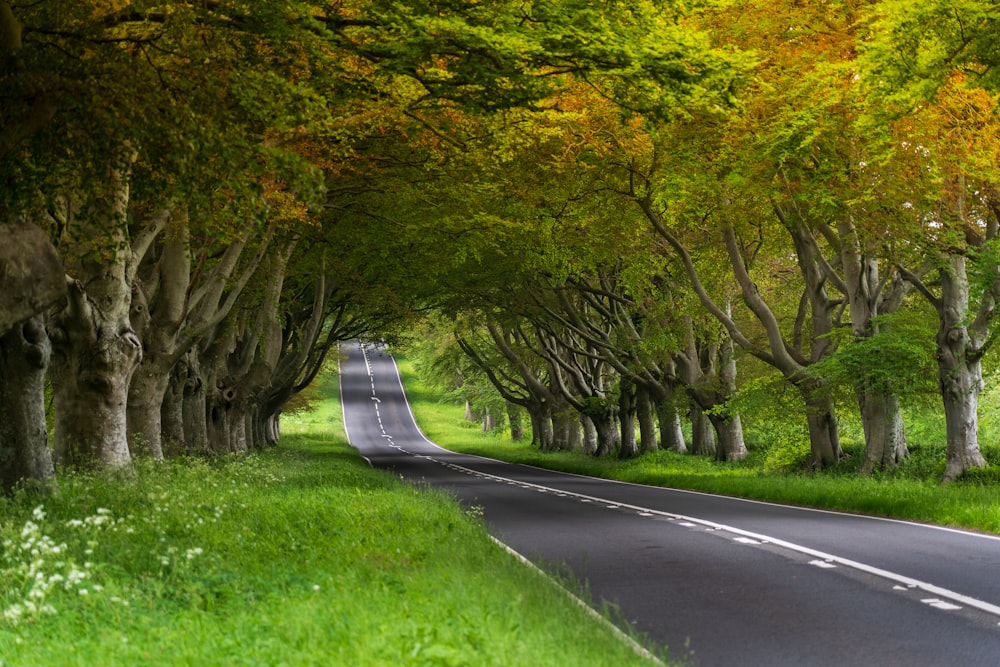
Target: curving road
{"type": "Point", "coordinates": [720, 581]}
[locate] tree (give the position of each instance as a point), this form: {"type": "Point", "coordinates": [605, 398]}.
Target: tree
{"type": "Point", "coordinates": [30, 283]}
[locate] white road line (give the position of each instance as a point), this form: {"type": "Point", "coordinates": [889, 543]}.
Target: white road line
{"type": "Point", "coordinates": [822, 563]}
{"type": "Point", "coordinates": [909, 582]}
{"type": "Point", "coordinates": [941, 604]}
{"type": "Point", "coordinates": [636, 646]}
{"type": "Point", "coordinates": [828, 560]}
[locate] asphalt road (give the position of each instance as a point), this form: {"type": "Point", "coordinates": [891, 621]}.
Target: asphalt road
{"type": "Point", "coordinates": [720, 581]}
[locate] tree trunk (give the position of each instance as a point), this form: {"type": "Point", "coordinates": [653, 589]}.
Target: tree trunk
{"type": "Point", "coordinates": [824, 434]}
{"type": "Point", "coordinates": [24, 445]}
{"type": "Point", "coordinates": [489, 421]}
{"type": "Point", "coordinates": [272, 429]}
{"type": "Point", "coordinates": [541, 426]}
{"type": "Point", "coordinates": [960, 373]}
{"type": "Point", "coordinates": [96, 352]}
{"type": "Point", "coordinates": [195, 404]}
{"type": "Point", "coordinates": [882, 420]}
{"type": "Point", "coordinates": [729, 430]}
{"type": "Point", "coordinates": [95, 349]}
{"type": "Point", "coordinates": [626, 417]}
{"type": "Point", "coordinates": [515, 419]}
{"type": "Point", "coordinates": [565, 430]}
{"type": "Point", "coordinates": [729, 427]}
{"type": "Point", "coordinates": [881, 414]}
{"type": "Point", "coordinates": [589, 435]}
{"type": "Point", "coordinates": [31, 276]}
{"type": "Point", "coordinates": [607, 435]}
{"type": "Point", "coordinates": [671, 433]}
{"type": "Point", "coordinates": [238, 443]}
{"type": "Point", "coordinates": [702, 432]}
{"type": "Point", "coordinates": [647, 421]}
{"type": "Point", "coordinates": [172, 416]}
{"type": "Point", "coordinates": [144, 412]}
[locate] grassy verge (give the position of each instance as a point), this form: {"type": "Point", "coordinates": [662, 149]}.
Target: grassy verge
{"type": "Point", "coordinates": [971, 504]}
{"type": "Point", "coordinates": [300, 555]}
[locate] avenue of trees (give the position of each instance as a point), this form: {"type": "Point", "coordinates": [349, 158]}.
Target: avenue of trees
{"type": "Point", "coordinates": [616, 216]}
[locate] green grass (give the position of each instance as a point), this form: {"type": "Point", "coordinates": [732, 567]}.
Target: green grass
{"type": "Point", "coordinates": [912, 494]}
{"type": "Point", "coordinates": [299, 555]}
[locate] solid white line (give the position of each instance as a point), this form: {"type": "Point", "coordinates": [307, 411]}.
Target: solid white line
{"type": "Point", "coordinates": [632, 643]}
{"type": "Point", "coordinates": [931, 526]}
{"type": "Point", "coordinates": [981, 605]}
{"type": "Point", "coordinates": [827, 559]}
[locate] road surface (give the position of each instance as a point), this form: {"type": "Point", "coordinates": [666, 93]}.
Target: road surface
{"type": "Point", "coordinates": [719, 581]}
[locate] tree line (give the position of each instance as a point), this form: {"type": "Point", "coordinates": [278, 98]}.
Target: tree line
{"type": "Point", "coordinates": [616, 207]}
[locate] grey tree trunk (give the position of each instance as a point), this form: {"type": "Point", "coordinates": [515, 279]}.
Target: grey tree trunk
{"type": "Point", "coordinates": [824, 434]}
{"type": "Point", "coordinates": [515, 419]}
{"type": "Point", "coordinates": [95, 349]}
{"type": "Point", "coordinates": [25, 459]}
{"type": "Point", "coordinates": [589, 435]}
{"type": "Point", "coordinates": [729, 427]}
{"type": "Point", "coordinates": [31, 280]}
{"type": "Point", "coordinates": [96, 352]}
{"type": "Point", "coordinates": [145, 412]}
{"type": "Point", "coordinates": [541, 426]}
{"type": "Point", "coordinates": [172, 415]}
{"type": "Point", "coordinates": [882, 420]}
{"type": "Point", "coordinates": [702, 433]}
{"type": "Point", "coordinates": [647, 421]}
{"type": "Point", "coordinates": [671, 432]}
{"type": "Point", "coordinates": [607, 433]}
{"type": "Point", "coordinates": [729, 431]}
{"type": "Point", "coordinates": [195, 406]}
{"type": "Point", "coordinates": [960, 373]}
{"type": "Point", "coordinates": [565, 430]}
{"type": "Point", "coordinates": [272, 429]}
{"type": "Point", "coordinates": [881, 412]}
{"type": "Point", "coordinates": [626, 419]}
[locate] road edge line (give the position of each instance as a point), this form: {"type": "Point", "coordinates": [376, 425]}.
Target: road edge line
{"type": "Point", "coordinates": [638, 648]}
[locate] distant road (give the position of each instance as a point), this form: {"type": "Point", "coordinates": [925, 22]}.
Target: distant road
{"type": "Point", "coordinates": [720, 581]}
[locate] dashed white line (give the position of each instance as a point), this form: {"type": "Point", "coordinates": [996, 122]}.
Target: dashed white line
{"type": "Point", "coordinates": [821, 559]}
{"type": "Point", "coordinates": [941, 604]}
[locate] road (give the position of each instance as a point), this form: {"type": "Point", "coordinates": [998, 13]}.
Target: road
{"type": "Point", "coordinates": [720, 581]}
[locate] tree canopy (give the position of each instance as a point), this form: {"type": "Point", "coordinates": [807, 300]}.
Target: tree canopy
{"type": "Point", "coordinates": [623, 213]}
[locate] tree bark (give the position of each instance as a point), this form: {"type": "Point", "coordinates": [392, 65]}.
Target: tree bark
{"type": "Point", "coordinates": [195, 406]}
{"type": "Point", "coordinates": [960, 373]}
{"type": "Point", "coordinates": [702, 432]}
{"type": "Point", "coordinates": [95, 348]}
{"type": "Point", "coordinates": [25, 459]}
{"type": "Point", "coordinates": [881, 412]}
{"type": "Point", "coordinates": [589, 435]}
{"type": "Point", "coordinates": [626, 419]}
{"type": "Point", "coordinates": [647, 421]}
{"type": "Point", "coordinates": [824, 435]}
{"type": "Point", "coordinates": [172, 414]}
{"type": "Point", "coordinates": [669, 418]}
{"type": "Point", "coordinates": [515, 421]}
{"type": "Point", "coordinates": [882, 420]}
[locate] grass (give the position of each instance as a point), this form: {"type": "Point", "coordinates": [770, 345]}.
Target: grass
{"type": "Point", "coordinates": [299, 555]}
{"type": "Point", "coordinates": [911, 494]}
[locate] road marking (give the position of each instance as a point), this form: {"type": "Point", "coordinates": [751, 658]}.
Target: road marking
{"type": "Point", "coordinates": [635, 646]}
{"type": "Point", "coordinates": [822, 563]}
{"type": "Point", "coordinates": [940, 604]}
{"type": "Point", "coordinates": [828, 559]}
{"type": "Point", "coordinates": [746, 540]}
